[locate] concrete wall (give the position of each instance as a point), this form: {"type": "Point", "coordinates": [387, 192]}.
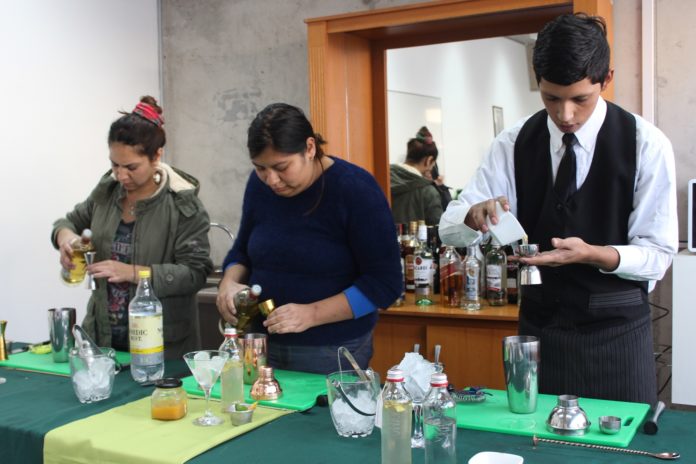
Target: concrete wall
{"type": "Point", "coordinates": [223, 62]}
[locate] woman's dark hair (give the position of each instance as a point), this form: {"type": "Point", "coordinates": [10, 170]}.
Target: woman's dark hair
{"type": "Point", "coordinates": [421, 146]}
{"type": "Point", "coordinates": [570, 48]}
{"type": "Point", "coordinates": [284, 128]}
{"type": "Point", "coordinates": [136, 129]}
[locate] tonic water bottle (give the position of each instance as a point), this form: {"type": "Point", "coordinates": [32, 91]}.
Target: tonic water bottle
{"type": "Point", "coordinates": [440, 423]}
{"type": "Point", "coordinates": [397, 414]}
{"type": "Point", "coordinates": [145, 332]}
{"type": "Point", "coordinates": [231, 378]}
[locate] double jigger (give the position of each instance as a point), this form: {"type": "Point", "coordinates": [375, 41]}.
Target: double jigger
{"type": "Point", "coordinates": [529, 274]}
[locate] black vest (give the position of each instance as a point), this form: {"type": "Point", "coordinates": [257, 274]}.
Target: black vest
{"type": "Point", "coordinates": [579, 294]}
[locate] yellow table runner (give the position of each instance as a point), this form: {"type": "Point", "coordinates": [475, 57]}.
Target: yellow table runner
{"type": "Point", "coordinates": [127, 434]}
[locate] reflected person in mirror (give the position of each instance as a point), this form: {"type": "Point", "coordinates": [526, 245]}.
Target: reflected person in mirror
{"type": "Point", "coordinates": [316, 233]}
{"type": "Point", "coordinates": [414, 197]}
{"type": "Point", "coordinates": [143, 214]}
{"type": "Point", "coordinates": [594, 186]}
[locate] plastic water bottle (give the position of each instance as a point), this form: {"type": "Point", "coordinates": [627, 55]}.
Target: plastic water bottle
{"type": "Point", "coordinates": [231, 379]}
{"type": "Point", "coordinates": [397, 408]}
{"type": "Point", "coordinates": [440, 419]}
{"type": "Point", "coordinates": [145, 332]}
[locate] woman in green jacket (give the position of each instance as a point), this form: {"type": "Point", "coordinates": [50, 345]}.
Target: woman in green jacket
{"type": "Point", "coordinates": [143, 214]}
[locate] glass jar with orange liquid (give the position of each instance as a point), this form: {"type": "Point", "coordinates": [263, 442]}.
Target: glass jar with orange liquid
{"type": "Point", "coordinates": [168, 401]}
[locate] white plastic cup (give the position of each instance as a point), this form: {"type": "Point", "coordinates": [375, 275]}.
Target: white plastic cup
{"type": "Point", "coordinates": [508, 229]}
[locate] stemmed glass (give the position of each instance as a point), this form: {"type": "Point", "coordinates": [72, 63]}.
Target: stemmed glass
{"type": "Point", "coordinates": [206, 366]}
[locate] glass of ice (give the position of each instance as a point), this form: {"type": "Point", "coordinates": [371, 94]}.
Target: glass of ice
{"type": "Point", "coordinates": [206, 366]}
{"type": "Point", "coordinates": [353, 401]}
{"type": "Point", "coordinates": [92, 374]}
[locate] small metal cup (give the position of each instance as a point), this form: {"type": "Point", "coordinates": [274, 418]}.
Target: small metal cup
{"type": "Point", "coordinates": [529, 274]}
{"type": "Point", "coordinates": [89, 259]}
{"type": "Point", "coordinates": [60, 325]}
{"type": "Point", "coordinates": [610, 425]}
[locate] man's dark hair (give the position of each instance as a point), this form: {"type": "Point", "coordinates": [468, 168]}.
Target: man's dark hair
{"type": "Point", "coordinates": [571, 48]}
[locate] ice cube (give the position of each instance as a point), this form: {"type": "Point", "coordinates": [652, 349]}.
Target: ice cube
{"type": "Point", "coordinates": [201, 356]}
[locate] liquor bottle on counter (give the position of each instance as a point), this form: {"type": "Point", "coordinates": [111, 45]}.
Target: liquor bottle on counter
{"type": "Point", "coordinates": [231, 378]}
{"type": "Point", "coordinates": [451, 278]}
{"type": "Point", "coordinates": [440, 423]}
{"type": "Point", "coordinates": [423, 269]}
{"type": "Point", "coordinates": [472, 280]}
{"type": "Point", "coordinates": [145, 332]}
{"type": "Point", "coordinates": [79, 247]}
{"type": "Point", "coordinates": [397, 411]}
{"type": "Point", "coordinates": [400, 238]}
{"type": "Point", "coordinates": [511, 278]}
{"type": "Point", "coordinates": [409, 247]}
{"type": "Point", "coordinates": [435, 248]}
{"type": "Point", "coordinates": [496, 275]}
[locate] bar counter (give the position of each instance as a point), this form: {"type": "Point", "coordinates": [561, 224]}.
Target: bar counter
{"type": "Point", "coordinates": [471, 340]}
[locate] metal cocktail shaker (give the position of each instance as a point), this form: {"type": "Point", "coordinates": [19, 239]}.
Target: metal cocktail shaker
{"type": "Point", "coordinates": [521, 358]}
{"type": "Point", "coordinates": [60, 324]}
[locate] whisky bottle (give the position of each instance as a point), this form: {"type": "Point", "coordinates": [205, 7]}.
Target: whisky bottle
{"type": "Point", "coordinates": [451, 278]}
{"type": "Point", "coordinates": [409, 248]}
{"type": "Point", "coordinates": [79, 247]}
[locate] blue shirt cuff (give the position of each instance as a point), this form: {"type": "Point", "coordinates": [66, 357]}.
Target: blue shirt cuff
{"type": "Point", "coordinates": [359, 303]}
{"type": "Point", "coordinates": [229, 265]}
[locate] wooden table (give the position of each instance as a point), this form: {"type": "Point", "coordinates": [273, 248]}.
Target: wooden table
{"type": "Point", "coordinates": [470, 340]}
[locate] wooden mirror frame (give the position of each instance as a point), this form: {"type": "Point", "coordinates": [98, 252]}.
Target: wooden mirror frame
{"type": "Point", "coordinates": [347, 61]}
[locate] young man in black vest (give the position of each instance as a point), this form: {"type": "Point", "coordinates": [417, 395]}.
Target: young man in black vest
{"type": "Point", "coordinates": [594, 186]}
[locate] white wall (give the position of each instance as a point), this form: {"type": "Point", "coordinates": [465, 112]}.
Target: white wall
{"type": "Point", "coordinates": [68, 67]}
{"type": "Point", "coordinates": [470, 77]}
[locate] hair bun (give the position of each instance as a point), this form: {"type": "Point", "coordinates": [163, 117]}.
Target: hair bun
{"type": "Point", "coordinates": [424, 136]}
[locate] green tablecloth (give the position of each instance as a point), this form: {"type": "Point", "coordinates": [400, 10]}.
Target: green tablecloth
{"type": "Point", "coordinates": [31, 404]}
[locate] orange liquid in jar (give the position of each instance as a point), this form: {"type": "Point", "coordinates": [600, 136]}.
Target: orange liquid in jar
{"type": "Point", "coordinates": [171, 410]}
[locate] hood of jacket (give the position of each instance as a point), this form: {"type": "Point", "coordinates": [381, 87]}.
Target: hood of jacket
{"type": "Point", "coordinates": [403, 180]}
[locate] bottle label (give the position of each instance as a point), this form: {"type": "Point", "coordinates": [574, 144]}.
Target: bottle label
{"type": "Point", "coordinates": [471, 285]}
{"type": "Point", "coordinates": [145, 334]}
{"type": "Point", "coordinates": [494, 279]}
{"type": "Point", "coordinates": [423, 271]}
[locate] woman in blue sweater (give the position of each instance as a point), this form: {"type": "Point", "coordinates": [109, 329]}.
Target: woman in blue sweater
{"type": "Point", "coordinates": [317, 234]}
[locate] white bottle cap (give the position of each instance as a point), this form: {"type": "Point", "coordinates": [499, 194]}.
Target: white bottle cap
{"type": "Point", "coordinates": [256, 289]}
{"type": "Point", "coordinates": [395, 375]}
{"type": "Point", "coordinates": [230, 332]}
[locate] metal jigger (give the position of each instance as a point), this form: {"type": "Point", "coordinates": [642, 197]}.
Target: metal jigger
{"type": "Point", "coordinates": [529, 274]}
{"type": "Point", "coordinates": [3, 346]}
{"type": "Point", "coordinates": [89, 259]}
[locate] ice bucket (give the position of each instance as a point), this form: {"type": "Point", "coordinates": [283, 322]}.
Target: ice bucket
{"type": "Point", "coordinates": [353, 401]}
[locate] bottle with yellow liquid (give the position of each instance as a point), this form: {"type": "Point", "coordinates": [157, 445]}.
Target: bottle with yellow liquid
{"type": "Point", "coordinates": [232, 376]}
{"type": "Point", "coordinates": [397, 411]}
{"type": "Point", "coordinates": [76, 275]}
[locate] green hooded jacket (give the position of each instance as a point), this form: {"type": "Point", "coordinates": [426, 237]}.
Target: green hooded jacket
{"type": "Point", "coordinates": [413, 197]}
{"type": "Point", "coordinates": [170, 236]}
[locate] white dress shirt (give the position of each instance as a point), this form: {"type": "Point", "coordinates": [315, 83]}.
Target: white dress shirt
{"type": "Point", "coordinates": [652, 225]}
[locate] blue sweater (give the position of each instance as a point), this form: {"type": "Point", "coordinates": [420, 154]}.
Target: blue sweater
{"type": "Point", "coordinates": [347, 244]}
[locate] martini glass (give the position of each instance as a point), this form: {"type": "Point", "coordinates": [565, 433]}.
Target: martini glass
{"type": "Point", "coordinates": [206, 366]}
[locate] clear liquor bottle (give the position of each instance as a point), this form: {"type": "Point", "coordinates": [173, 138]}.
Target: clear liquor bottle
{"type": "Point", "coordinates": [232, 376]}
{"type": "Point", "coordinates": [423, 269]}
{"type": "Point", "coordinates": [472, 280]}
{"type": "Point", "coordinates": [496, 275]}
{"type": "Point", "coordinates": [145, 332]}
{"type": "Point", "coordinates": [440, 423]}
{"type": "Point", "coordinates": [397, 408]}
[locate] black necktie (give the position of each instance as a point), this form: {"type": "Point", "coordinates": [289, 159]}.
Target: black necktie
{"type": "Point", "coordinates": [565, 185]}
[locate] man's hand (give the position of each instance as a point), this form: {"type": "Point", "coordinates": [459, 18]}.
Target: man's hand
{"type": "Point", "coordinates": [575, 250]}
{"type": "Point", "coordinates": [476, 217]}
